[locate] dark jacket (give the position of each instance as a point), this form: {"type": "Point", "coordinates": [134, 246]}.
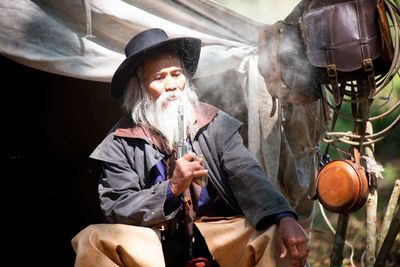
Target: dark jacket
{"type": "Point", "coordinates": [128, 196]}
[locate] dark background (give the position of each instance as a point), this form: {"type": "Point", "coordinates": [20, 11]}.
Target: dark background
{"type": "Point", "coordinates": [51, 124]}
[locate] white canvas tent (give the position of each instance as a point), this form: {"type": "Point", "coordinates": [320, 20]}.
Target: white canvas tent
{"type": "Point", "coordinates": [85, 39]}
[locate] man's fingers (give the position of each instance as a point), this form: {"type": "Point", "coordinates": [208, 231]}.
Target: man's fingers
{"type": "Point", "coordinates": [199, 173]}
{"type": "Point", "coordinates": [195, 166]}
{"type": "Point", "coordinates": [302, 250]}
{"type": "Point", "coordinates": [189, 156]}
{"type": "Point", "coordinates": [294, 253]}
{"type": "Point", "coordinates": [283, 252]}
{"type": "Point", "coordinates": [299, 252]}
{"type": "Point", "coordinates": [193, 157]}
{"type": "Point", "coordinates": [282, 246]}
{"type": "Point", "coordinates": [304, 253]}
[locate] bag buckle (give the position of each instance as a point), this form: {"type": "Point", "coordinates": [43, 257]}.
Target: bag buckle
{"type": "Point", "coordinates": [331, 70]}
{"type": "Point", "coordinates": [367, 64]}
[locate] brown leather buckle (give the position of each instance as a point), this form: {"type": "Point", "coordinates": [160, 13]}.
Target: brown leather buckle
{"type": "Point", "coordinates": [331, 69]}
{"type": "Point", "coordinates": [367, 64]}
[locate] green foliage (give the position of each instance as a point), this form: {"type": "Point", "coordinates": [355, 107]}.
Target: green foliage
{"type": "Point", "coordinates": [390, 173]}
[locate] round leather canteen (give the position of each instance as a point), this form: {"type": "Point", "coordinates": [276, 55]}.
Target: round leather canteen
{"type": "Point", "coordinates": [342, 186]}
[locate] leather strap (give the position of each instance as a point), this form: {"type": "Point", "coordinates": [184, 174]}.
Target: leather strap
{"type": "Point", "coordinates": [330, 58]}
{"type": "Point", "coordinates": [366, 55]}
{"type": "Point", "coordinates": [357, 156]}
{"type": "Point", "coordinates": [334, 119]}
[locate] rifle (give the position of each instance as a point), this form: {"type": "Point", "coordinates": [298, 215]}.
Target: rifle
{"type": "Point", "coordinates": [184, 147]}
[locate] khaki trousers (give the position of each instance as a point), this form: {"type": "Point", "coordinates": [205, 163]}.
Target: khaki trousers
{"type": "Point", "coordinates": [231, 241]}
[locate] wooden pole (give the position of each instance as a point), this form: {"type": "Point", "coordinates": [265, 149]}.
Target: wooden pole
{"type": "Point", "coordinates": [371, 227]}
{"type": "Point", "coordinates": [394, 198]}
{"type": "Point", "coordinates": [389, 240]}
{"type": "Point", "coordinates": [340, 238]}
{"type": "Point", "coordinates": [371, 207]}
{"type": "Point", "coordinates": [372, 201]}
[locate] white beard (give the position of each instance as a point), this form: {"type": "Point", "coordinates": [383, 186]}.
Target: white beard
{"type": "Point", "coordinates": [162, 114]}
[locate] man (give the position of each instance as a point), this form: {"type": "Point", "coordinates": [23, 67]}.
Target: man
{"type": "Point", "coordinates": [158, 212]}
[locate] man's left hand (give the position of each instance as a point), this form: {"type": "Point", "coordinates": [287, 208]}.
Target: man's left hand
{"type": "Point", "coordinates": [291, 237]}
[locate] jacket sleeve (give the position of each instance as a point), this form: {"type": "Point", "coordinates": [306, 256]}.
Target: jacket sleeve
{"type": "Point", "coordinates": [124, 196]}
{"type": "Point", "coordinates": [256, 196]}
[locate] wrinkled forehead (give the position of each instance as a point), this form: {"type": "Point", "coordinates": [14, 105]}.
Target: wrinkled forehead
{"type": "Point", "coordinates": [160, 61]}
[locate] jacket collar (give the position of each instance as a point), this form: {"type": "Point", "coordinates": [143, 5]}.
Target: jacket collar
{"type": "Point", "coordinates": [204, 114]}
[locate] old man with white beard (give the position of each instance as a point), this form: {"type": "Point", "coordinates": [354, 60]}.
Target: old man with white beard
{"type": "Point", "coordinates": [157, 214]}
{"type": "Point", "coordinates": [162, 114]}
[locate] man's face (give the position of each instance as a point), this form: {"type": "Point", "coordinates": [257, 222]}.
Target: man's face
{"type": "Point", "coordinates": [163, 73]}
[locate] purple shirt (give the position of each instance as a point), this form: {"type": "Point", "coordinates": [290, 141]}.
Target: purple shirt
{"type": "Point", "coordinates": [173, 202]}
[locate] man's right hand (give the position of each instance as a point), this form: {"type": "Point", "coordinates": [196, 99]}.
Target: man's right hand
{"type": "Point", "coordinates": [186, 169]}
{"type": "Point", "coordinates": [292, 239]}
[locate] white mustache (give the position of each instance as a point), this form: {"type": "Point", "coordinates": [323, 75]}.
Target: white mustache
{"type": "Point", "coordinates": [166, 96]}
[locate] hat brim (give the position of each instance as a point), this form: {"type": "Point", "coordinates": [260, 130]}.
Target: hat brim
{"type": "Point", "coordinates": [187, 48]}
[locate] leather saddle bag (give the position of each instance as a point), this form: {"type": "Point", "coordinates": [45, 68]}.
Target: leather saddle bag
{"type": "Point", "coordinates": [284, 65]}
{"type": "Point", "coordinates": [342, 186]}
{"type": "Point", "coordinates": [348, 41]}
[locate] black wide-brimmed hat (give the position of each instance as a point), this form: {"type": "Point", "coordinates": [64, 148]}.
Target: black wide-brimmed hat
{"type": "Point", "coordinates": [150, 42]}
